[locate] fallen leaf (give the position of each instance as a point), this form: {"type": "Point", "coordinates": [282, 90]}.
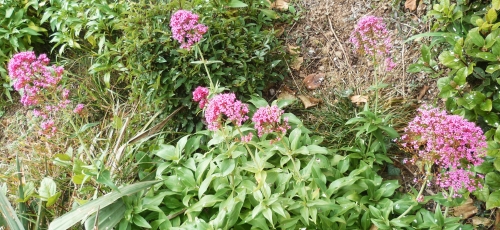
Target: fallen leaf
{"type": "Point", "coordinates": [373, 227]}
{"type": "Point", "coordinates": [280, 5]}
{"type": "Point", "coordinates": [297, 63]}
{"type": "Point", "coordinates": [279, 30]}
{"type": "Point", "coordinates": [309, 101]}
{"type": "Point", "coordinates": [465, 210]}
{"type": "Point", "coordinates": [293, 49]}
{"type": "Point", "coordinates": [476, 221]}
{"type": "Point", "coordinates": [286, 94]}
{"type": "Point", "coordinates": [313, 81]}
{"type": "Point", "coordinates": [422, 92]}
{"type": "Point", "coordinates": [357, 99]}
{"type": "Point", "coordinates": [411, 4]}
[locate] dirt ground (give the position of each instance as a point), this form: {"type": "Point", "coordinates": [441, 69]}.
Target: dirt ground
{"type": "Point", "coordinates": [323, 37]}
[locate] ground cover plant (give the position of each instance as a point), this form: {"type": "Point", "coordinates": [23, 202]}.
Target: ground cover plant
{"type": "Point", "coordinates": [162, 115]}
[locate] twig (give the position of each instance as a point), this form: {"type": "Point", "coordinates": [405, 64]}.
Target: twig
{"type": "Point", "coordinates": [338, 41]}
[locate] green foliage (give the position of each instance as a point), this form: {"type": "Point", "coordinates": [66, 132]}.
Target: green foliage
{"type": "Point", "coordinates": [131, 46]}
{"type": "Point", "coordinates": [468, 67]}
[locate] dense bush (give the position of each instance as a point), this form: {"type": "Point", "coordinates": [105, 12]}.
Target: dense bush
{"type": "Point", "coordinates": [467, 40]}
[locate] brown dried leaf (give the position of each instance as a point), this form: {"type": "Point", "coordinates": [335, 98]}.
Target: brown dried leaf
{"type": "Point", "coordinates": [297, 63]}
{"type": "Point", "coordinates": [287, 94]}
{"type": "Point", "coordinates": [309, 101]}
{"type": "Point", "coordinates": [280, 5]}
{"type": "Point", "coordinates": [357, 99]}
{"type": "Point", "coordinates": [313, 81]}
{"type": "Point", "coordinates": [422, 92]}
{"type": "Point", "coordinates": [476, 221]}
{"type": "Point", "coordinates": [465, 210]}
{"type": "Point", "coordinates": [411, 5]}
{"type": "Point", "coordinates": [293, 49]}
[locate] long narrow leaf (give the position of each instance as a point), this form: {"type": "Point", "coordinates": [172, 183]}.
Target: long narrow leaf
{"type": "Point", "coordinates": [9, 214]}
{"type": "Point", "coordinates": [69, 219]}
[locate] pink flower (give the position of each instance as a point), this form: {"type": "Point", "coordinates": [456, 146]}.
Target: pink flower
{"type": "Point", "coordinates": [267, 120]}
{"type": "Point", "coordinates": [448, 141]}
{"type": "Point", "coordinates": [48, 128]}
{"type": "Point", "coordinates": [78, 109]}
{"type": "Point", "coordinates": [247, 138]}
{"type": "Point", "coordinates": [186, 29]}
{"type": "Point", "coordinates": [200, 95]}
{"type": "Point", "coordinates": [225, 106]}
{"type": "Point", "coordinates": [371, 37]}
{"type": "Point", "coordinates": [31, 74]}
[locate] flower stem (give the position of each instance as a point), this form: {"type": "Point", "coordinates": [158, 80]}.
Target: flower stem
{"type": "Point", "coordinates": [419, 194]}
{"type": "Point", "coordinates": [212, 87]}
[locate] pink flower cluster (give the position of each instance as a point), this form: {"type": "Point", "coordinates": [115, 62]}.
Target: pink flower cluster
{"type": "Point", "coordinates": [371, 37]}
{"type": "Point", "coordinates": [39, 85]}
{"type": "Point", "coordinates": [31, 74]}
{"type": "Point", "coordinates": [267, 120]}
{"type": "Point", "coordinates": [449, 141]}
{"type": "Point", "coordinates": [200, 94]}
{"type": "Point", "coordinates": [225, 106]}
{"type": "Point", "coordinates": [186, 29]}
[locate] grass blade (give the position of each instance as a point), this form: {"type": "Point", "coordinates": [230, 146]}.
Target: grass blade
{"type": "Point", "coordinates": [9, 214]}
{"type": "Point", "coordinates": [69, 219]}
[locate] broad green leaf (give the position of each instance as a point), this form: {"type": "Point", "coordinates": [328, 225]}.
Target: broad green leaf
{"type": "Point", "coordinates": [493, 180]}
{"type": "Point", "coordinates": [70, 218]}
{"type": "Point", "coordinates": [48, 188]}
{"type": "Point", "coordinates": [460, 76]}
{"type": "Point", "coordinates": [227, 166]}
{"type": "Point", "coordinates": [495, 4]}
{"type": "Point", "coordinates": [295, 138]}
{"type": "Point", "coordinates": [236, 3]}
{"type": "Point", "coordinates": [491, 16]}
{"type": "Point", "coordinates": [486, 56]}
{"type": "Point", "coordinates": [475, 37]}
{"type": "Point", "coordinates": [167, 152]}
{"type": "Point", "coordinates": [449, 60]}
{"type": "Point", "coordinates": [486, 105]}
{"type": "Point", "coordinates": [492, 68]}
{"type": "Point", "coordinates": [206, 201]}
{"type": "Point", "coordinates": [493, 200]}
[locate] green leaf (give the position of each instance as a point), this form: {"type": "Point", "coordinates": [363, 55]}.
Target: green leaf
{"type": "Point", "coordinates": [87, 126]}
{"type": "Point", "coordinates": [495, 4]}
{"type": "Point", "coordinates": [491, 16]}
{"type": "Point", "coordinates": [236, 3]}
{"type": "Point", "coordinates": [140, 221]}
{"type": "Point", "coordinates": [52, 200]}
{"type": "Point", "coordinates": [493, 180]}
{"type": "Point", "coordinates": [492, 68]}
{"type": "Point", "coordinates": [475, 37]}
{"type": "Point", "coordinates": [426, 54]}
{"type": "Point", "coordinates": [449, 60]}
{"type": "Point", "coordinates": [273, 15]}
{"type": "Point", "coordinates": [486, 56]}
{"type": "Point", "coordinates": [70, 218]}
{"type": "Point", "coordinates": [390, 131]}
{"type": "Point", "coordinates": [295, 138]}
{"type": "Point", "coordinates": [486, 105]}
{"type": "Point", "coordinates": [167, 152]}
{"type": "Point", "coordinates": [104, 177]}
{"type": "Point", "coordinates": [493, 200]}
{"type": "Point", "coordinates": [258, 101]}
{"type": "Point", "coordinates": [227, 167]}
{"type": "Point", "coordinates": [206, 201]}
{"type": "Point", "coordinates": [48, 189]}
{"type": "Point", "coordinates": [9, 214]}
{"type": "Point", "coordinates": [460, 76]}
{"type": "Point", "coordinates": [107, 217]}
